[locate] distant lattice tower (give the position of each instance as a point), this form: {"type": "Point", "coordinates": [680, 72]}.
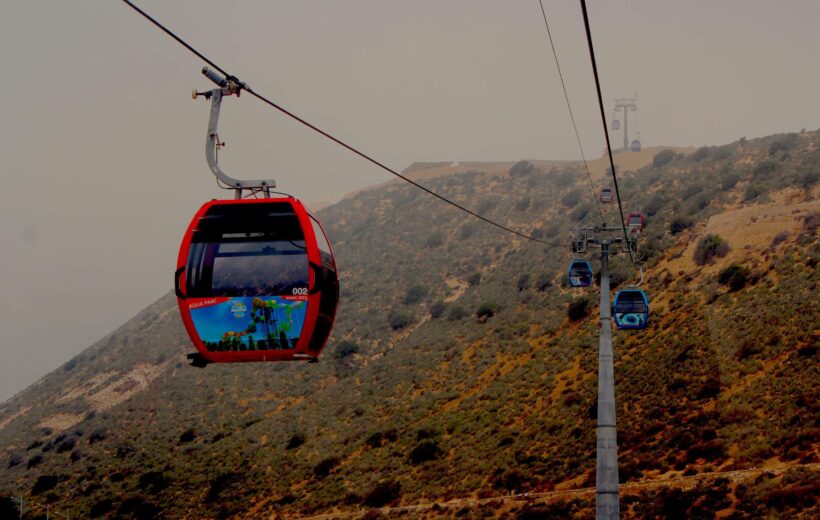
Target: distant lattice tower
{"type": "Point", "coordinates": [625, 105]}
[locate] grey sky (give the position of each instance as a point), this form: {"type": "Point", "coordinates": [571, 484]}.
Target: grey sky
{"type": "Point", "coordinates": [101, 147]}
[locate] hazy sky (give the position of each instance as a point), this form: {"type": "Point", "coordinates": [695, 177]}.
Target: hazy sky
{"type": "Point", "coordinates": [102, 150]}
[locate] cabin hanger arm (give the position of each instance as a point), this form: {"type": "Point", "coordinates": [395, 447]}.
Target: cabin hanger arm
{"type": "Point", "coordinates": [227, 87]}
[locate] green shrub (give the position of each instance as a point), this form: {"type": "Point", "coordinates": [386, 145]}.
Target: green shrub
{"type": "Point", "coordinates": [487, 310]}
{"type": "Point", "coordinates": [296, 440]}
{"type": "Point", "coordinates": [543, 281]}
{"type": "Point", "coordinates": [522, 204]}
{"type": "Point", "coordinates": [382, 494]}
{"type": "Point", "coordinates": [764, 168]}
{"type": "Point", "coordinates": [325, 466]}
{"type": "Point", "coordinates": [735, 276]}
{"type": "Point", "coordinates": [680, 223]}
{"type": "Point", "coordinates": [783, 144]}
{"type": "Point", "coordinates": [101, 507]}
{"type": "Point", "coordinates": [137, 507]}
{"type": "Point", "coordinates": [701, 153]}
{"type": "Point", "coordinates": [578, 308]}
{"type": "Point", "coordinates": [34, 461]}
{"type": "Point", "coordinates": [400, 319]}
{"type": "Point", "coordinates": [15, 459]}
{"type": "Point", "coordinates": [187, 436]}
{"type": "Point", "coordinates": [466, 231]}
{"type": "Point", "coordinates": [346, 348]}
{"type": "Point", "coordinates": [456, 312]}
{"type": "Point", "coordinates": [428, 449]}
{"type": "Point", "coordinates": [729, 180]}
{"type": "Point", "coordinates": [66, 445]}
{"type": "Point", "coordinates": [779, 239]}
{"type": "Point", "coordinates": [663, 158]}
{"type": "Point", "coordinates": [523, 282]}
{"type": "Point", "coordinates": [415, 294]}
{"type": "Point", "coordinates": [435, 239]}
{"type": "Point", "coordinates": [44, 483]}
{"type": "Point", "coordinates": [153, 481]}
{"type": "Point", "coordinates": [437, 309]}
{"type": "Point", "coordinates": [521, 169]}
{"type": "Point", "coordinates": [709, 248]}
{"type": "Point", "coordinates": [571, 199]}
{"type": "Point", "coordinates": [753, 192]}
{"type": "Point", "coordinates": [221, 483]}
{"type": "Point", "coordinates": [97, 435]}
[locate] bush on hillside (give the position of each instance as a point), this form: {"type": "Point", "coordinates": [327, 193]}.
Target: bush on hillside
{"type": "Point", "coordinates": [435, 239]}
{"type": "Point", "coordinates": [487, 310]}
{"type": "Point", "coordinates": [709, 248]}
{"type": "Point", "coordinates": [97, 435]}
{"type": "Point", "coordinates": [400, 319]}
{"type": "Point", "coordinates": [783, 144]}
{"type": "Point", "coordinates": [15, 459]}
{"type": "Point", "coordinates": [523, 282]}
{"type": "Point", "coordinates": [578, 308]}
{"type": "Point", "coordinates": [44, 483]}
{"type": "Point", "coordinates": [382, 494]}
{"type": "Point", "coordinates": [415, 294]}
{"type": "Point", "coordinates": [663, 158]}
{"type": "Point", "coordinates": [701, 153]}
{"type": "Point", "coordinates": [456, 313]}
{"type": "Point", "coordinates": [187, 436]}
{"type": "Point", "coordinates": [521, 168]}
{"type": "Point", "coordinates": [735, 276]}
{"type": "Point", "coordinates": [296, 440]}
{"type": "Point", "coordinates": [571, 199]}
{"type": "Point", "coordinates": [427, 449]}
{"type": "Point", "coordinates": [680, 223]}
{"type": "Point", "coordinates": [346, 348]}
{"type": "Point", "coordinates": [437, 309]}
{"type": "Point", "coordinates": [325, 466]}
{"type": "Point", "coordinates": [543, 281]}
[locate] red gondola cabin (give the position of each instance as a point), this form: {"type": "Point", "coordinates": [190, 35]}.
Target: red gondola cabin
{"type": "Point", "coordinates": [606, 195]}
{"type": "Point", "coordinates": [635, 222]}
{"type": "Point", "coordinates": [256, 281]}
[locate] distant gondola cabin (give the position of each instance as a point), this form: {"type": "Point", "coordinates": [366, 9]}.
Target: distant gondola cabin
{"type": "Point", "coordinates": [580, 273]}
{"type": "Point", "coordinates": [606, 195]}
{"type": "Point", "coordinates": [635, 222]}
{"type": "Point", "coordinates": [635, 146]}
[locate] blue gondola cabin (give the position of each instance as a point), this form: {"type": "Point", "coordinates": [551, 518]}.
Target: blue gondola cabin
{"type": "Point", "coordinates": [580, 273]}
{"type": "Point", "coordinates": [631, 309]}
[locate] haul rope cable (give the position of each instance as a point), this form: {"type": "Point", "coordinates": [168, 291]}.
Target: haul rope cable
{"type": "Point", "coordinates": [313, 127]}
{"type": "Point", "coordinates": [603, 120]}
{"type": "Point", "coordinates": [571, 116]}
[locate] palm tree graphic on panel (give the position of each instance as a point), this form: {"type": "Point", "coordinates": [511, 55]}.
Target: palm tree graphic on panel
{"type": "Point", "coordinates": [276, 321]}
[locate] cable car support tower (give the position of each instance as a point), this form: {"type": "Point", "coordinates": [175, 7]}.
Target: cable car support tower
{"type": "Point", "coordinates": [609, 241]}
{"type": "Point", "coordinates": [626, 105]}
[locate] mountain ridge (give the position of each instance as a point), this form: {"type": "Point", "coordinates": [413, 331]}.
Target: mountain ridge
{"type": "Point", "coordinates": [454, 369]}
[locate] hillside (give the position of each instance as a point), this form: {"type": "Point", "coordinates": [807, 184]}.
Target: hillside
{"type": "Point", "coordinates": [454, 372]}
